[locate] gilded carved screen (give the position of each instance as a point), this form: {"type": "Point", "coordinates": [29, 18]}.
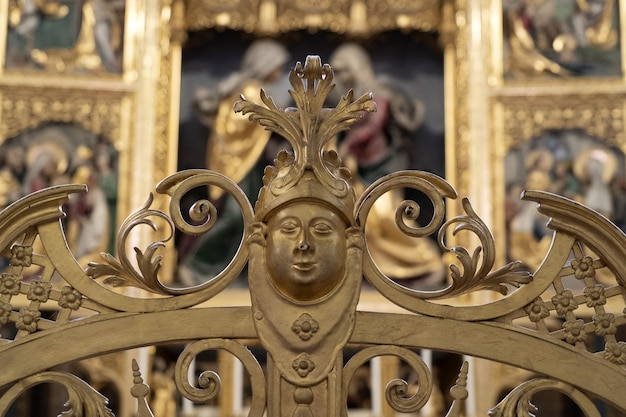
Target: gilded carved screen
{"type": "Point", "coordinates": [558, 110]}
{"type": "Point", "coordinates": [66, 93]}
{"type": "Point", "coordinates": [95, 66]}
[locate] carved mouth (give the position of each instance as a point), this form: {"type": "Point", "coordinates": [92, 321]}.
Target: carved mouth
{"type": "Point", "coordinates": [304, 266]}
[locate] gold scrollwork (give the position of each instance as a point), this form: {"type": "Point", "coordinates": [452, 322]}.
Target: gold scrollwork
{"type": "Point", "coordinates": [83, 399]}
{"type": "Point", "coordinates": [518, 402]}
{"type": "Point", "coordinates": [396, 389]}
{"type": "Point", "coordinates": [120, 272]}
{"type": "Point", "coordinates": [600, 116]}
{"type": "Point", "coordinates": [209, 381]}
{"type": "Point", "coordinates": [475, 275]}
{"type": "Point", "coordinates": [24, 108]}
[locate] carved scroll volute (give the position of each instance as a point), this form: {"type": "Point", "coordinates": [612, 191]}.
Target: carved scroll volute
{"type": "Point", "coordinates": [305, 265]}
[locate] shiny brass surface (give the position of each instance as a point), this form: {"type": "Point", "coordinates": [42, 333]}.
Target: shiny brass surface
{"type": "Point", "coordinates": [306, 250]}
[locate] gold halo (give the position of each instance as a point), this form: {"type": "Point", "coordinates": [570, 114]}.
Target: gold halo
{"type": "Point", "coordinates": [581, 161]}
{"type": "Point", "coordinates": [58, 153]}
{"type": "Point", "coordinates": [535, 155]}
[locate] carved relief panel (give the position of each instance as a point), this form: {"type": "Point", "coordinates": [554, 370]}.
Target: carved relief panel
{"type": "Point", "coordinates": [563, 134]}
{"type": "Point", "coordinates": [81, 64]}
{"type": "Point", "coordinates": [567, 39]}
{"type": "Point", "coordinates": [558, 77]}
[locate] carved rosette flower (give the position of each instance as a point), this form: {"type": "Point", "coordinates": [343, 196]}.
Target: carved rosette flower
{"type": "Point", "coordinates": [5, 312]}
{"type": "Point", "coordinates": [575, 331]}
{"type": "Point", "coordinates": [10, 284]}
{"type": "Point", "coordinates": [39, 291]}
{"type": "Point", "coordinates": [583, 268]}
{"type": "Point", "coordinates": [70, 298]}
{"type": "Point", "coordinates": [615, 352]}
{"type": "Point", "coordinates": [595, 296]}
{"type": "Point", "coordinates": [305, 326]}
{"type": "Point", "coordinates": [564, 302]}
{"type": "Point", "coordinates": [537, 310]}
{"type": "Point", "coordinates": [21, 255]}
{"type": "Point", "coordinates": [27, 319]}
{"type": "Point", "coordinates": [303, 364]}
{"type": "Point", "coordinates": [604, 324]}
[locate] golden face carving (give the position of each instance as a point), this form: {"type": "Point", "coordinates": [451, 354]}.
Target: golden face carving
{"type": "Point", "coordinates": [306, 250]}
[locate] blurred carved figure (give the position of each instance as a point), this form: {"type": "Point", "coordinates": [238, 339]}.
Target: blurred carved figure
{"type": "Point", "coordinates": [597, 167]}
{"type": "Point", "coordinates": [92, 44]}
{"type": "Point", "coordinates": [528, 234]}
{"type": "Point", "coordinates": [59, 154]}
{"type": "Point", "coordinates": [569, 164]}
{"type": "Point", "coordinates": [554, 37]}
{"type": "Point", "coordinates": [236, 143]}
{"type": "Point", "coordinates": [377, 137]}
{"type": "Point", "coordinates": [97, 45]}
{"type": "Point", "coordinates": [376, 145]}
{"type": "Point", "coordinates": [25, 17]}
{"type": "Point", "coordinates": [88, 218]}
{"type": "Point", "coordinates": [12, 170]}
{"type": "Point", "coordinates": [236, 149]}
{"type": "Point", "coordinates": [163, 402]}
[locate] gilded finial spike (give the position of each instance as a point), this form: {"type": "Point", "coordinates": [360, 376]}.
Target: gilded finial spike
{"type": "Point", "coordinates": [140, 391]}
{"type": "Point", "coordinates": [459, 392]}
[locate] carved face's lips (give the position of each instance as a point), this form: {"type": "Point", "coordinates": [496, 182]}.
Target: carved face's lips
{"type": "Point", "coordinates": [304, 266]}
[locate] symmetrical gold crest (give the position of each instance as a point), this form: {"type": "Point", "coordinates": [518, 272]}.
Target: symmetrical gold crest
{"type": "Point", "coordinates": [306, 250]}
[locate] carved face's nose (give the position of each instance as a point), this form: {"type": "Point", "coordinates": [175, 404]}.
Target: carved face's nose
{"type": "Point", "coordinates": [304, 241]}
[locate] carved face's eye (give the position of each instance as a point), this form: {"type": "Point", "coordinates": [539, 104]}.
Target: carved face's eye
{"type": "Point", "coordinates": [289, 227]}
{"type": "Point", "coordinates": [322, 228]}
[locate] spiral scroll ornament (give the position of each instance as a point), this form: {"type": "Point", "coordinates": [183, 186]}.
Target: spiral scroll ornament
{"type": "Point", "coordinates": [397, 388]}
{"type": "Point", "coordinates": [476, 268]}
{"type": "Point", "coordinates": [209, 381]}
{"type": "Point", "coordinates": [121, 272]}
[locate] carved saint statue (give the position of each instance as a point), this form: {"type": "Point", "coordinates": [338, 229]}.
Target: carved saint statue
{"type": "Point", "coordinates": [236, 149]}
{"type": "Point", "coordinates": [376, 145]}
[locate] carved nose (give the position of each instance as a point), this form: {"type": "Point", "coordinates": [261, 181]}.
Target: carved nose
{"type": "Point", "coordinates": [304, 242]}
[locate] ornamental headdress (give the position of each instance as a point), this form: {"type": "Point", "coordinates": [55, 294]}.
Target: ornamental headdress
{"type": "Point", "coordinates": [311, 172]}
